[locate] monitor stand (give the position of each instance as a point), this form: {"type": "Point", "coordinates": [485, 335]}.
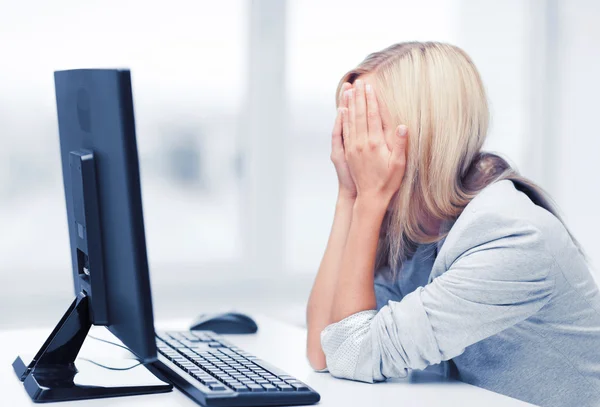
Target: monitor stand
{"type": "Point", "coordinates": [52, 376]}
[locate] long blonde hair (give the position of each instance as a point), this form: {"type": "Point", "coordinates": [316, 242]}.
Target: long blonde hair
{"type": "Point", "coordinates": [436, 91]}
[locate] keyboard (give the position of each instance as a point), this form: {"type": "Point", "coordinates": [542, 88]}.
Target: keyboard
{"type": "Point", "coordinates": [214, 372]}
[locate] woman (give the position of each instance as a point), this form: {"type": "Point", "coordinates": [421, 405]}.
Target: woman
{"type": "Point", "coordinates": [440, 254]}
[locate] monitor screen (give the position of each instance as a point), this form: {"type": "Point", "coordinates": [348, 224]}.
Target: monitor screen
{"type": "Point", "coordinates": [95, 115]}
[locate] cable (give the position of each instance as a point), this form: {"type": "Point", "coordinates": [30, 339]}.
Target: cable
{"type": "Point", "coordinates": [114, 344]}
{"type": "Point", "coordinates": [110, 367]}
{"type": "Point", "coordinates": [109, 342]}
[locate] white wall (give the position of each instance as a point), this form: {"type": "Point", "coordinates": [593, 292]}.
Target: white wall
{"type": "Point", "coordinates": [495, 34]}
{"type": "Point", "coordinates": [540, 63]}
{"type": "Point", "coordinates": [578, 144]}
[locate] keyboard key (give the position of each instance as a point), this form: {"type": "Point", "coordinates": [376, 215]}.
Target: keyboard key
{"type": "Point", "coordinates": [191, 337]}
{"type": "Point", "coordinates": [269, 368]}
{"type": "Point", "coordinates": [217, 387]}
{"type": "Point", "coordinates": [261, 381]}
{"type": "Point", "coordinates": [285, 387]}
{"type": "Point", "coordinates": [255, 387]}
{"type": "Point", "coordinates": [269, 387]}
{"type": "Point", "coordinates": [299, 386]}
{"type": "Point", "coordinates": [175, 344]}
{"type": "Point", "coordinates": [163, 336]}
{"type": "Point", "coordinates": [240, 388]}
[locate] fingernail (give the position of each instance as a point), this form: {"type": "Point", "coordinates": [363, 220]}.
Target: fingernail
{"type": "Point", "coordinates": [368, 88]}
{"type": "Point", "coordinates": [402, 130]}
{"type": "Point", "coordinates": [358, 82]}
{"type": "Point", "coordinates": [348, 93]}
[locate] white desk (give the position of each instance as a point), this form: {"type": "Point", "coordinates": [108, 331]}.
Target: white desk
{"type": "Point", "coordinates": [282, 345]}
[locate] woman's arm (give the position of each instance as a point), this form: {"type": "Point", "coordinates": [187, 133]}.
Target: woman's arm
{"type": "Point", "coordinates": [378, 173]}
{"type": "Point", "coordinates": [355, 290]}
{"type": "Point", "coordinates": [496, 283]}
{"type": "Point", "coordinates": [318, 312]}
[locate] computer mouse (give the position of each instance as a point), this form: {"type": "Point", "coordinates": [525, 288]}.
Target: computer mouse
{"type": "Point", "coordinates": [225, 323]}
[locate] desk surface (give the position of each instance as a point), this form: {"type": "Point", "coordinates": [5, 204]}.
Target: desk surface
{"type": "Point", "coordinates": [280, 344]}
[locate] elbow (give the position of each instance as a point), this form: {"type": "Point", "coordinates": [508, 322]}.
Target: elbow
{"type": "Point", "coordinates": [316, 358]}
{"type": "Point", "coordinates": [314, 352]}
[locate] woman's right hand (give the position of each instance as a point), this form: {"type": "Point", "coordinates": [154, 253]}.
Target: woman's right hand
{"type": "Point", "coordinates": [347, 187]}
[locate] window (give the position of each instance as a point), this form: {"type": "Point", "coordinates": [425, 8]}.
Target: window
{"type": "Point", "coordinates": [188, 69]}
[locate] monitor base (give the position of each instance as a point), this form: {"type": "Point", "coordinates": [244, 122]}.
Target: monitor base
{"type": "Point", "coordinates": [52, 376]}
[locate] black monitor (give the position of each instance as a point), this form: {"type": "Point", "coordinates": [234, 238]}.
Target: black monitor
{"type": "Point", "coordinates": [106, 228]}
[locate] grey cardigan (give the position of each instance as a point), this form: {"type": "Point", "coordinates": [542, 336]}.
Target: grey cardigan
{"type": "Point", "coordinates": [507, 298]}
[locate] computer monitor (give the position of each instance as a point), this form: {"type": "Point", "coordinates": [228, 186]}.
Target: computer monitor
{"type": "Point", "coordinates": [106, 228]}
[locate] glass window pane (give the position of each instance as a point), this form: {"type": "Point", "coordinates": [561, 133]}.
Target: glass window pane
{"type": "Point", "coordinates": [188, 69]}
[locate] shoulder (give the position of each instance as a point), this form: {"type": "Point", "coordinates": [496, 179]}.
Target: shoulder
{"type": "Point", "coordinates": [506, 216]}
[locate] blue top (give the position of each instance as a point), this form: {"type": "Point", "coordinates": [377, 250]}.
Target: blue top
{"type": "Point", "coordinates": [507, 297]}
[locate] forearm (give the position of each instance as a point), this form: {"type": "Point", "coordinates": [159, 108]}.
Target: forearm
{"type": "Point", "coordinates": [318, 313]}
{"type": "Point", "coordinates": [354, 291]}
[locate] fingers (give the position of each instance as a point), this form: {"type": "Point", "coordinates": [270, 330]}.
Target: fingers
{"type": "Point", "coordinates": [400, 144]}
{"type": "Point", "coordinates": [345, 126]}
{"type": "Point", "coordinates": [374, 125]}
{"type": "Point", "coordinates": [341, 99]}
{"type": "Point", "coordinates": [350, 135]}
{"type": "Point", "coordinates": [336, 134]}
{"type": "Point", "coordinates": [360, 114]}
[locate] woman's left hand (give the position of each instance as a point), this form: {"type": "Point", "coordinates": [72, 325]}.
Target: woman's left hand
{"type": "Point", "coordinates": [376, 169]}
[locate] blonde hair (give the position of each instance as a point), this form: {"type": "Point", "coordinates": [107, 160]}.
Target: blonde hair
{"type": "Point", "coordinates": [436, 91]}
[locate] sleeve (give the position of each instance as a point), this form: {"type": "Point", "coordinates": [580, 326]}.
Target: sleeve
{"type": "Point", "coordinates": [492, 286]}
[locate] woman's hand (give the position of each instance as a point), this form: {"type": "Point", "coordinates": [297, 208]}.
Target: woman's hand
{"type": "Point", "coordinates": [376, 169]}
{"type": "Point", "coordinates": [347, 188]}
